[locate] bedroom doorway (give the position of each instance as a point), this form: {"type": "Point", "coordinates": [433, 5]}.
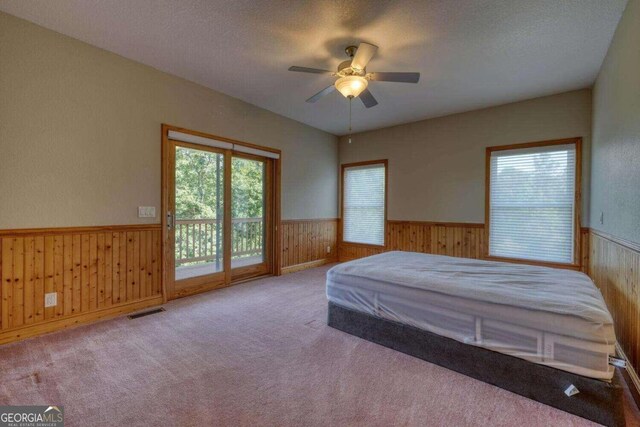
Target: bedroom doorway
{"type": "Point", "coordinates": [219, 205]}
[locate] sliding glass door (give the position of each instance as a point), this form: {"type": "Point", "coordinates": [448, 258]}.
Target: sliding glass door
{"type": "Point", "coordinates": [219, 217]}
{"type": "Point", "coordinates": [199, 212]}
{"type": "Point", "coordinates": [249, 228]}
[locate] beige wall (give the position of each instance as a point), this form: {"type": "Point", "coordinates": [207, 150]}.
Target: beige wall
{"type": "Point", "coordinates": [437, 166]}
{"type": "Point", "coordinates": [80, 134]}
{"type": "Point", "coordinates": [616, 133]}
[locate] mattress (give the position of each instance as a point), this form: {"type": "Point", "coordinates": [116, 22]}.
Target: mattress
{"type": "Point", "coordinates": [548, 316]}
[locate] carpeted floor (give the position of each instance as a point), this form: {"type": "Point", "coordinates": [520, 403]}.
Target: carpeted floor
{"type": "Point", "coordinates": [254, 354]}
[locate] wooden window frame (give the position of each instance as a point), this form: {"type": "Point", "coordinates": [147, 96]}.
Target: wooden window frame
{"type": "Point", "coordinates": [344, 166]}
{"type": "Point", "coordinates": [575, 265]}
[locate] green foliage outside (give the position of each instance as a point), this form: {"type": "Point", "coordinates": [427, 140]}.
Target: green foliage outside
{"type": "Point", "coordinates": [197, 195]}
{"type": "Point", "coordinates": [200, 196]}
{"type": "Point", "coordinates": [247, 191]}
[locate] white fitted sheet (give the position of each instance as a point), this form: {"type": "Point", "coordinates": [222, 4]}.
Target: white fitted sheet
{"type": "Point", "coordinates": [548, 316]}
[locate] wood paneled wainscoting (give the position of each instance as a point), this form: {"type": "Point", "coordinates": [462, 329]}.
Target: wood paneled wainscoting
{"type": "Point", "coordinates": [99, 272]}
{"type": "Point", "coordinates": [308, 243]}
{"type": "Point", "coordinates": [105, 271]}
{"type": "Point", "coordinates": [453, 239]}
{"type": "Point", "coordinates": [96, 272]}
{"type": "Point", "coordinates": [614, 265]}
{"type": "Point", "coordinates": [466, 240]}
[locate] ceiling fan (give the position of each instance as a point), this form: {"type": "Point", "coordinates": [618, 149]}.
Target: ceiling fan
{"type": "Point", "coordinates": [353, 78]}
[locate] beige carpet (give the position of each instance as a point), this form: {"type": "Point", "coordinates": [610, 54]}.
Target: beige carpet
{"type": "Point", "coordinates": [254, 354]}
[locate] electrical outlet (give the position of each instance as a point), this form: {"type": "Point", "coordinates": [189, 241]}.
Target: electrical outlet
{"type": "Point", "coordinates": [328, 249]}
{"type": "Point", "coordinates": [51, 300]}
{"type": "Point", "coordinates": [146, 211]}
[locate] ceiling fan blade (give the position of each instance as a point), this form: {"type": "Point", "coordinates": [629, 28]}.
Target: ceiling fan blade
{"type": "Point", "coordinates": [326, 91]}
{"type": "Point", "coordinates": [310, 70]}
{"type": "Point", "coordinates": [368, 99]}
{"type": "Point", "coordinates": [396, 77]}
{"type": "Point", "coordinates": [363, 55]}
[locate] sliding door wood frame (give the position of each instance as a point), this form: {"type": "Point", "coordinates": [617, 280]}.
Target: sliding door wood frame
{"type": "Point", "coordinates": [272, 248]}
{"type": "Point", "coordinates": [204, 282]}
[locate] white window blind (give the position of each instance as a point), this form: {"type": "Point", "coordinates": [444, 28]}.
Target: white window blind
{"type": "Point", "coordinates": [532, 203]}
{"type": "Point", "coordinates": [364, 204]}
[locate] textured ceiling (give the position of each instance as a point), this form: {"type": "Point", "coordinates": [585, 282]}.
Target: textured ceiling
{"type": "Point", "coordinates": [471, 53]}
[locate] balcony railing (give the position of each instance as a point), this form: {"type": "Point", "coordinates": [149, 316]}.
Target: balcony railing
{"type": "Point", "coordinates": [199, 240]}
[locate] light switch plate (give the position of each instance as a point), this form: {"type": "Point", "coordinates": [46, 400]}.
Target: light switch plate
{"type": "Point", "coordinates": [146, 211]}
{"type": "Point", "coordinates": [51, 299]}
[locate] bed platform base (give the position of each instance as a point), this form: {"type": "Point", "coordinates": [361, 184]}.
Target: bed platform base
{"type": "Point", "coordinates": [597, 400]}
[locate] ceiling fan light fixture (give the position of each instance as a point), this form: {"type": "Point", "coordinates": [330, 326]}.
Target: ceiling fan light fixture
{"type": "Point", "coordinates": [353, 77]}
{"type": "Point", "coordinates": [351, 86]}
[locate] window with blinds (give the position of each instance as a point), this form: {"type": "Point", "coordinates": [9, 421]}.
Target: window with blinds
{"type": "Point", "coordinates": [532, 203]}
{"type": "Point", "coordinates": [363, 214]}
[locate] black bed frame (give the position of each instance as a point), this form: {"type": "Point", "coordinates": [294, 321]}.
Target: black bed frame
{"type": "Point", "coordinates": [597, 400]}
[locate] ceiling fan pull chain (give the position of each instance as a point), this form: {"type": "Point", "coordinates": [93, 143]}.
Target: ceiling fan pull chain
{"type": "Point", "coordinates": [350, 99]}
